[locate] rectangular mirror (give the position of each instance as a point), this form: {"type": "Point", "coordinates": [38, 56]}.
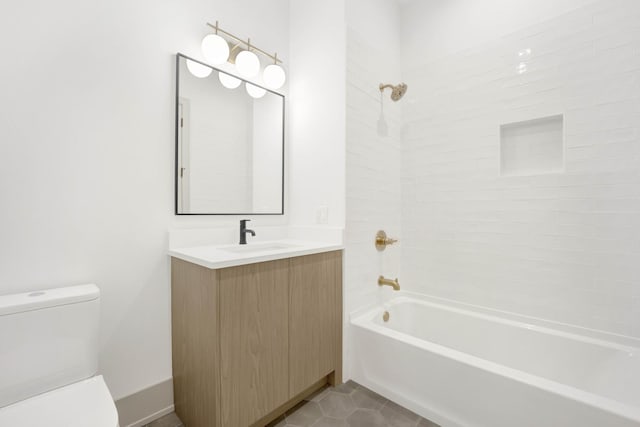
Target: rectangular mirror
{"type": "Point", "coordinates": [229, 144]}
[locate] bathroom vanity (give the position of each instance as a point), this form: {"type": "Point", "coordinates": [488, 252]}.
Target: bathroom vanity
{"type": "Point", "coordinates": [255, 332]}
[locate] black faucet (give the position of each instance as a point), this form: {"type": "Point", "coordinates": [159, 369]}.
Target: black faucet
{"type": "Point", "coordinates": [244, 230]}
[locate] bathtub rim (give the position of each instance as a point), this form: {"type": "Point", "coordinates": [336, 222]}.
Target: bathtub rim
{"type": "Point", "coordinates": [364, 319]}
{"type": "Point", "coordinates": [609, 338]}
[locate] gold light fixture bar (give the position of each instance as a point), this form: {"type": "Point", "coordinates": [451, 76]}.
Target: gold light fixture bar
{"type": "Point", "coordinates": [250, 47]}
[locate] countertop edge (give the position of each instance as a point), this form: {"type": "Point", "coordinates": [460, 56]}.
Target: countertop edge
{"type": "Point", "coordinates": [214, 265]}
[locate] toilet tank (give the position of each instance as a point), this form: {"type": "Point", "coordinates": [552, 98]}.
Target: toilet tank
{"type": "Point", "coordinates": [48, 339]}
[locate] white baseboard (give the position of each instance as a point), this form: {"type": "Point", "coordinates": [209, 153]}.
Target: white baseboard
{"type": "Point", "coordinates": [151, 417]}
{"type": "Point", "coordinates": [146, 405]}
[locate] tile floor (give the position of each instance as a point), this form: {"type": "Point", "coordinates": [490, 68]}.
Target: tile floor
{"type": "Point", "coordinates": [348, 405]}
{"type": "Point", "coordinates": [170, 420]}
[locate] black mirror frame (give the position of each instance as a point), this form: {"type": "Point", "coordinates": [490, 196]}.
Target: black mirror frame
{"type": "Point", "coordinates": [177, 118]}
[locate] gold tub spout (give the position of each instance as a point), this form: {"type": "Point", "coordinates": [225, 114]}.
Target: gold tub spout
{"type": "Point", "coordinates": [388, 282]}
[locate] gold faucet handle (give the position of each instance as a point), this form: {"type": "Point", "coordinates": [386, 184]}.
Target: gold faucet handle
{"type": "Point", "coordinates": [382, 241]}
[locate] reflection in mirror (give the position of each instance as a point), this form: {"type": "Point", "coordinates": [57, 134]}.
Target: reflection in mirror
{"type": "Point", "coordinates": [229, 144]}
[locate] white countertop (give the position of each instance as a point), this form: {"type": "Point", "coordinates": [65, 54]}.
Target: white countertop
{"type": "Point", "coordinates": [222, 256]}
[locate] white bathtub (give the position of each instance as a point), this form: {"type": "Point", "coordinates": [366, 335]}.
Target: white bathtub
{"type": "Point", "coordinates": [462, 366]}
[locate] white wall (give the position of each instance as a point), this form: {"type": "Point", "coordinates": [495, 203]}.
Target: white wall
{"type": "Point", "coordinates": [88, 149]}
{"type": "Point", "coordinates": [373, 162]}
{"type": "Point", "coordinates": [317, 89]}
{"type": "Point", "coordinates": [557, 246]}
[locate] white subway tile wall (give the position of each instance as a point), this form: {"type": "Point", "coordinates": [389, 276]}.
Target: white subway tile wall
{"type": "Point", "coordinates": [373, 172]}
{"type": "Point", "coordinates": [564, 246]}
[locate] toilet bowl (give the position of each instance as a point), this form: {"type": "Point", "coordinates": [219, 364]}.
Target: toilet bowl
{"type": "Point", "coordinates": [49, 360]}
{"type": "Point", "coordinates": [86, 403]}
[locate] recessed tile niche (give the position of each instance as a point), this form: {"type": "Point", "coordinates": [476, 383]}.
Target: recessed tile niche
{"type": "Point", "coordinates": [532, 147]}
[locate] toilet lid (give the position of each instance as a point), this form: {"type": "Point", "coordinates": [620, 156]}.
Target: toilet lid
{"type": "Point", "coordinates": [81, 404]}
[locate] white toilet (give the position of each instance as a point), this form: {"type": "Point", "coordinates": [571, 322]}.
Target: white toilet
{"type": "Point", "coordinates": [49, 360]}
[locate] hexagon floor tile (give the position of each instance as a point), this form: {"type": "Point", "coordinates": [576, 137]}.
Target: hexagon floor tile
{"type": "Point", "coordinates": [348, 405]}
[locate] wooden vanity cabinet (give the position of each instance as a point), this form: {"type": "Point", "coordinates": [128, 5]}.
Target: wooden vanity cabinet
{"type": "Point", "coordinates": [249, 342]}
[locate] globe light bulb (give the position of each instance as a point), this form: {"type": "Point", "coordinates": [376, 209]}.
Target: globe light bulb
{"type": "Point", "coordinates": [273, 76]}
{"type": "Point", "coordinates": [247, 64]}
{"type": "Point", "coordinates": [255, 91]}
{"type": "Point", "coordinates": [198, 70]}
{"type": "Point", "coordinates": [228, 81]}
{"type": "Point", "coordinates": [215, 49]}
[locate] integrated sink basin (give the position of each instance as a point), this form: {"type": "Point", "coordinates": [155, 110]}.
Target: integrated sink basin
{"type": "Point", "coordinates": [258, 247]}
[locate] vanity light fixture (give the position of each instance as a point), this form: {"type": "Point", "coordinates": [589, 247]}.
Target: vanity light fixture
{"type": "Point", "coordinates": [273, 76]}
{"type": "Point", "coordinates": [217, 49]}
{"type": "Point", "coordinates": [247, 64]}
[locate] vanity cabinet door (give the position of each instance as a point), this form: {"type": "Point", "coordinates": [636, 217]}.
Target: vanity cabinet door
{"type": "Point", "coordinates": [194, 298]}
{"type": "Point", "coordinates": [254, 344]}
{"type": "Point", "coordinates": [315, 319]}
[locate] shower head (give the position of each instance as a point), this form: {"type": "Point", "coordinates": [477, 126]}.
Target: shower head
{"type": "Point", "coordinates": [397, 91]}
